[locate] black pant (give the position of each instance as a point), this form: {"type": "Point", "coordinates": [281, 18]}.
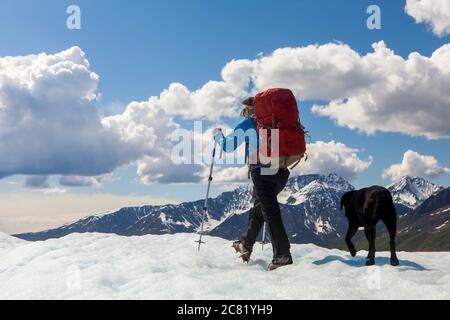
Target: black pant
{"type": "Point", "coordinates": [266, 208]}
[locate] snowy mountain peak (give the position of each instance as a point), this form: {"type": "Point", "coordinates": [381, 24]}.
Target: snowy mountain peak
{"type": "Point", "coordinates": [314, 199]}
{"type": "Point", "coordinates": [412, 191]}
{"type": "Point", "coordinates": [301, 188]}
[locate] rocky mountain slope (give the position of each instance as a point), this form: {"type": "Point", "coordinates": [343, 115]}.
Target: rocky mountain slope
{"type": "Point", "coordinates": [310, 206]}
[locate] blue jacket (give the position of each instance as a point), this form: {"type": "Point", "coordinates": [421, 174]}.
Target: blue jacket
{"type": "Point", "coordinates": [244, 132]}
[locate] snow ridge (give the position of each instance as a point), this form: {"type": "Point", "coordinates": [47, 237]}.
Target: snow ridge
{"type": "Point", "coordinates": [108, 266]}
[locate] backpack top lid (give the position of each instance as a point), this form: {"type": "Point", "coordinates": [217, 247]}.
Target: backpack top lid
{"type": "Point", "coordinates": [276, 108]}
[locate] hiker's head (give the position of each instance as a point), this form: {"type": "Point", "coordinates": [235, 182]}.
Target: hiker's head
{"type": "Point", "coordinates": [248, 107]}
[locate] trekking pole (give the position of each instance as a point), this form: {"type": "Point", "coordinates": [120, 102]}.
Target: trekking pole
{"type": "Point", "coordinates": [263, 242]}
{"type": "Point", "coordinates": [205, 206]}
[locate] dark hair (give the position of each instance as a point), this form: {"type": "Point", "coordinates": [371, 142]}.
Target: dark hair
{"type": "Point", "coordinates": [248, 102]}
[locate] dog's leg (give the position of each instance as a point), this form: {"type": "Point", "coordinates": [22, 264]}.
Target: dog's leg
{"type": "Point", "coordinates": [371, 235]}
{"type": "Point", "coordinates": [392, 230]}
{"type": "Point", "coordinates": [348, 239]}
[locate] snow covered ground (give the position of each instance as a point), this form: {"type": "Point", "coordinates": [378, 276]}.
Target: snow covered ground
{"type": "Point", "coordinates": [101, 266]}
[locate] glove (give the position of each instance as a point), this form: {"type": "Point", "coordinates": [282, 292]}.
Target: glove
{"type": "Point", "coordinates": [217, 132]}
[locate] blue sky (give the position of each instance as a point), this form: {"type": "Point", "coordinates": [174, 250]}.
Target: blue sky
{"type": "Point", "coordinates": [138, 48]}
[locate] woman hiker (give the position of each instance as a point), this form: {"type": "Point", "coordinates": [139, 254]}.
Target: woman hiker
{"type": "Point", "coordinates": [265, 188]}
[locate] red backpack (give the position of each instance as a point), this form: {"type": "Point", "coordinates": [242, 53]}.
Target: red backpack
{"type": "Point", "coordinates": [277, 109]}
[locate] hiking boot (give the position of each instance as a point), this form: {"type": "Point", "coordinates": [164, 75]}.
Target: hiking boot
{"type": "Point", "coordinates": [280, 262]}
{"type": "Point", "coordinates": [244, 253]}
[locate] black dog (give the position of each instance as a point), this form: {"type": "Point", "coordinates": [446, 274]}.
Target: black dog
{"type": "Point", "coordinates": [364, 208]}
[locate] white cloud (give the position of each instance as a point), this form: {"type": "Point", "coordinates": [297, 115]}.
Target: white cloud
{"type": "Point", "coordinates": [157, 165]}
{"type": "Point", "coordinates": [41, 184]}
{"type": "Point", "coordinates": [49, 125]}
{"type": "Point", "coordinates": [144, 124]}
{"type": "Point", "coordinates": [161, 169]}
{"type": "Point", "coordinates": [230, 175]}
{"type": "Point", "coordinates": [323, 158]}
{"type": "Point", "coordinates": [325, 72]}
{"type": "Point", "coordinates": [79, 181]}
{"type": "Point", "coordinates": [436, 13]}
{"type": "Point", "coordinates": [47, 114]}
{"type": "Point", "coordinates": [236, 74]}
{"type": "Point", "coordinates": [416, 165]}
{"type": "Point", "coordinates": [36, 182]}
{"type": "Point", "coordinates": [166, 167]}
{"type": "Point", "coordinates": [409, 96]}
{"type": "Point", "coordinates": [52, 191]}
{"type": "Point", "coordinates": [379, 91]}
{"type": "Point", "coordinates": [214, 100]}
{"type": "Point", "coordinates": [333, 157]}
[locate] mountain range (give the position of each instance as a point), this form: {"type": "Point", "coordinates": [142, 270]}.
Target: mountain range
{"type": "Point", "coordinates": [310, 208]}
